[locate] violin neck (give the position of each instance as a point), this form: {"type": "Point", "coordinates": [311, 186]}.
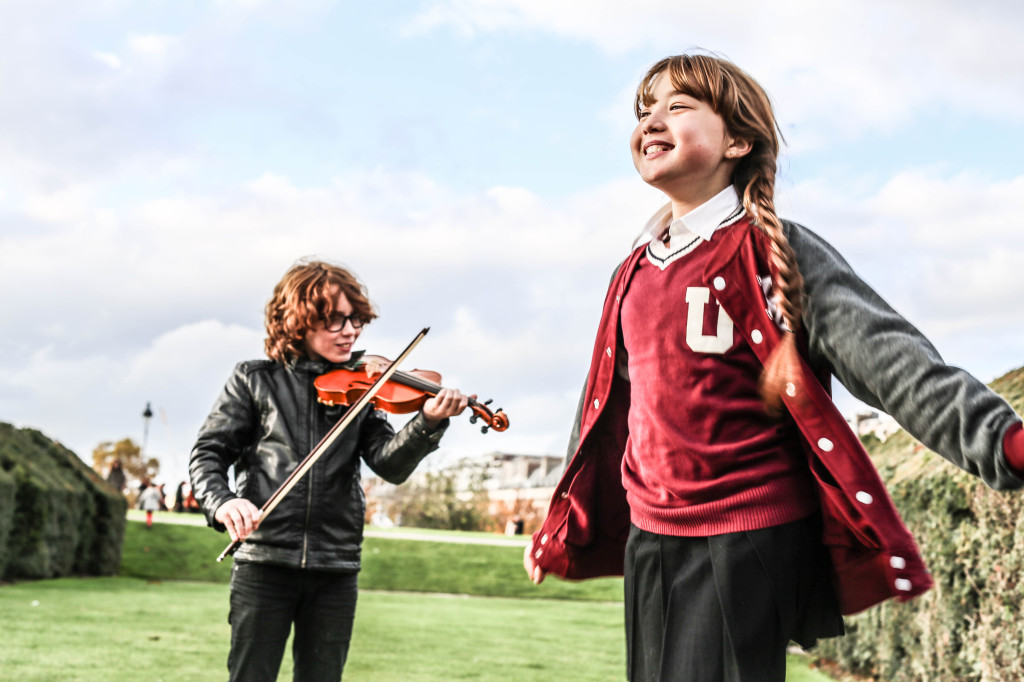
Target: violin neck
{"type": "Point", "coordinates": [420, 384]}
{"type": "Point", "coordinates": [413, 381]}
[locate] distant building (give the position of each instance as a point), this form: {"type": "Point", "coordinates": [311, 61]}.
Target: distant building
{"type": "Point", "coordinates": [869, 422]}
{"type": "Point", "coordinates": [513, 479]}
{"type": "Point", "coordinates": [517, 486]}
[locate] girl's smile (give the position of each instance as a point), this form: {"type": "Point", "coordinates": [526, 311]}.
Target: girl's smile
{"type": "Point", "coordinates": [655, 147]}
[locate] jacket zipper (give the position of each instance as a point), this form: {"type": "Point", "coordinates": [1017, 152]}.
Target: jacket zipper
{"type": "Point", "coordinates": [309, 484]}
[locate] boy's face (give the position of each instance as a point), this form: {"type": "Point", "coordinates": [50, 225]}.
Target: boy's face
{"type": "Point", "coordinates": [335, 347]}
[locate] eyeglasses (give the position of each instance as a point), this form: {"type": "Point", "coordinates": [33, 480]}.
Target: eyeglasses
{"type": "Point", "coordinates": [337, 322]}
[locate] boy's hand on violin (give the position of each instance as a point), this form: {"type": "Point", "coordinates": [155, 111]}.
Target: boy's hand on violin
{"type": "Point", "coordinates": [447, 403]}
{"type": "Point", "coordinates": [375, 366]}
{"type": "Point", "coordinates": [239, 516]}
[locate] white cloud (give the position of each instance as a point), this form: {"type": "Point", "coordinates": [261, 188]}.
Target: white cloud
{"type": "Point", "coordinates": [945, 250]}
{"type": "Point", "coordinates": [71, 204]}
{"type": "Point", "coordinates": [152, 46]}
{"type": "Point", "coordinates": [108, 58]}
{"type": "Point", "coordinates": [837, 69]}
{"type": "Point", "coordinates": [190, 351]}
{"type": "Point", "coordinates": [958, 213]}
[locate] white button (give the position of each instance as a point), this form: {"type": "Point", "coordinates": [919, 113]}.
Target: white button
{"type": "Point", "coordinates": [825, 444]}
{"type": "Point", "coordinates": [790, 389]}
{"type": "Point", "coordinates": [719, 283]}
{"type": "Point", "coordinates": [597, 403]}
{"type": "Point", "coordinates": [617, 299]}
{"type": "Point", "coordinates": [544, 539]}
{"type": "Point", "coordinates": [565, 495]}
{"type": "Point", "coordinates": [608, 352]}
{"type": "Point", "coordinates": [898, 562]}
{"type": "Point", "coordinates": [536, 555]}
{"type": "Point", "coordinates": [903, 584]}
{"type": "Point", "coordinates": [756, 337]}
{"type": "Point", "coordinates": [864, 497]}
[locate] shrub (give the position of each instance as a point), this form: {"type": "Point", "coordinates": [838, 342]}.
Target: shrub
{"type": "Point", "coordinates": [57, 516]}
{"type": "Point", "coordinates": [7, 492]}
{"type": "Point", "coordinates": [968, 628]}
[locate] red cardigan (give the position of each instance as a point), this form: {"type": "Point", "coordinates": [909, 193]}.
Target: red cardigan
{"type": "Point", "coordinates": [874, 556]}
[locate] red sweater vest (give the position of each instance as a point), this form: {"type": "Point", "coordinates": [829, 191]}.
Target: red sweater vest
{"type": "Point", "coordinates": [703, 458]}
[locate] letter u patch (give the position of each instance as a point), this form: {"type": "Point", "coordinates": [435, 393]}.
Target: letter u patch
{"type": "Point", "coordinates": [696, 301]}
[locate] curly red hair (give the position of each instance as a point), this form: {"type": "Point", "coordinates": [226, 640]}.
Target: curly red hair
{"type": "Point", "coordinates": [304, 297]}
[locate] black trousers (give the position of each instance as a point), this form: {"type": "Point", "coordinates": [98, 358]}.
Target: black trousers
{"type": "Point", "coordinates": [266, 600]}
{"type": "Point", "coordinates": [724, 608]}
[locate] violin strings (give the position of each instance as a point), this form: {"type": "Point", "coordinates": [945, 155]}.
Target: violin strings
{"type": "Point", "coordinates": [413, 381]}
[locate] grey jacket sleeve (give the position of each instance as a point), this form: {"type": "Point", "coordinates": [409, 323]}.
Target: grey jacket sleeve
{"type": "Point", "coordinates": [887, 363]}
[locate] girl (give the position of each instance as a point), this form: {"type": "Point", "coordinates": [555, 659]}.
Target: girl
{"type": "Point", "coordinates": [708, 463]}
{"type": "Point", "coordinates": [300, 564]}
{"type": "Point", "coordinates": [150, 500]}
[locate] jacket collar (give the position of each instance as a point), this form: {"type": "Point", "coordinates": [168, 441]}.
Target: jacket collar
{"type": "Point", "coordinates": [310, 366]}
{"type": "Point", "coordinates": [719, 211]}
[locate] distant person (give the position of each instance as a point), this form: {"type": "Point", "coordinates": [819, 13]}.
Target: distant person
{"type": "Point", "coordinates": [514, 526]}
{"type": "Point", "coordinates": [150, 500]}
{"type": "Point", "coordinates": [116, 477]}
{"type": "Point", "coordinates": [179, 497]}
{"type": "Point", "coordinates": [299, 565]}
{"type": "Point", "coordinates": [191, 505]}
{"type": "Point", "coordinates": [708, 462]}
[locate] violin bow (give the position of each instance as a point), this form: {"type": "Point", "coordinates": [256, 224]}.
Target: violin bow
{"type": "Point", "coordinates": [332, 435]}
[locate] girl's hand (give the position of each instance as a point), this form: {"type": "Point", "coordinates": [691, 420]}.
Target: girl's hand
{"type": "Point", "coordinates": [535, 572]}
{"type": "Point", "coordinates": [239, 516]}
{"type": "Point", "coordinates": [447, 403]}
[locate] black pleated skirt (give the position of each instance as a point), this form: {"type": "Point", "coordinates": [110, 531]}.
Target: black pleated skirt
{"type": "Point", "coordinates": [725, 608]}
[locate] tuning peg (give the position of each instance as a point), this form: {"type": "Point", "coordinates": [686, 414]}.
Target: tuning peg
{"type": "Point", "coordinates": [488, 401]}
{"type": "Point", "coordinates": [483, 429]}
{"type": "Point", "coordinates": [473, 418]}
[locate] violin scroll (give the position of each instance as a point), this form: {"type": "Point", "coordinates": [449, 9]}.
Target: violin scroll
{"type": "Point", "coordinates": [496, 420]}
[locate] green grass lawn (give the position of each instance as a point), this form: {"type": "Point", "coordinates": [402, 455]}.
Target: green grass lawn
{"type": "Point", "coordinates": [144, 625]}
{"type": "Point", "coordinates": [189, 553]}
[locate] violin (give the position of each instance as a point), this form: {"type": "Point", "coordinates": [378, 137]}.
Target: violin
{"type": "Point", "coordinates": [403, 393]}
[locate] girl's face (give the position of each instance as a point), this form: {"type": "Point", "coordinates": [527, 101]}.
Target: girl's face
{"type": "Point", "coordinates": [335, 346]}
{"type": "Point", "coordinates": [681, 146]}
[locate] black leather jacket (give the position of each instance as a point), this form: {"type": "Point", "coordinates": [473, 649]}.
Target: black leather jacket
{"type": "Point", "coordinates": [264, 423]}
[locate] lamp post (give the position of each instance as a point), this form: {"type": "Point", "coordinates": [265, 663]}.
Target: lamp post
{"type": "Point", "coordinates": [147, 414]}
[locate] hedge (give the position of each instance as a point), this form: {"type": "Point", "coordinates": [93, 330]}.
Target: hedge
{"type": "Point", "coordinates": [57, 516]}
{"type": "Point", "coordinates": [970, 626]}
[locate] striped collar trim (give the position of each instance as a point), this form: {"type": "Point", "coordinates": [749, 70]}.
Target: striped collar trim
{"type": "Point", "coordinates": [689, 231]}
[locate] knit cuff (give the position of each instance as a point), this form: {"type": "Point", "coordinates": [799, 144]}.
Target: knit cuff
{"type": "Point", "coordinates": [1013, 448]}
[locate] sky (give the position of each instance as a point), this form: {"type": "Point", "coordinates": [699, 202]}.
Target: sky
{"type": "Point", "coordinates": [163, 163]}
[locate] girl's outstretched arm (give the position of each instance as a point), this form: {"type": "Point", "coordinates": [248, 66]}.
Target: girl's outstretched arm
{"type": "Point", "coordinates": [886, 362]}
